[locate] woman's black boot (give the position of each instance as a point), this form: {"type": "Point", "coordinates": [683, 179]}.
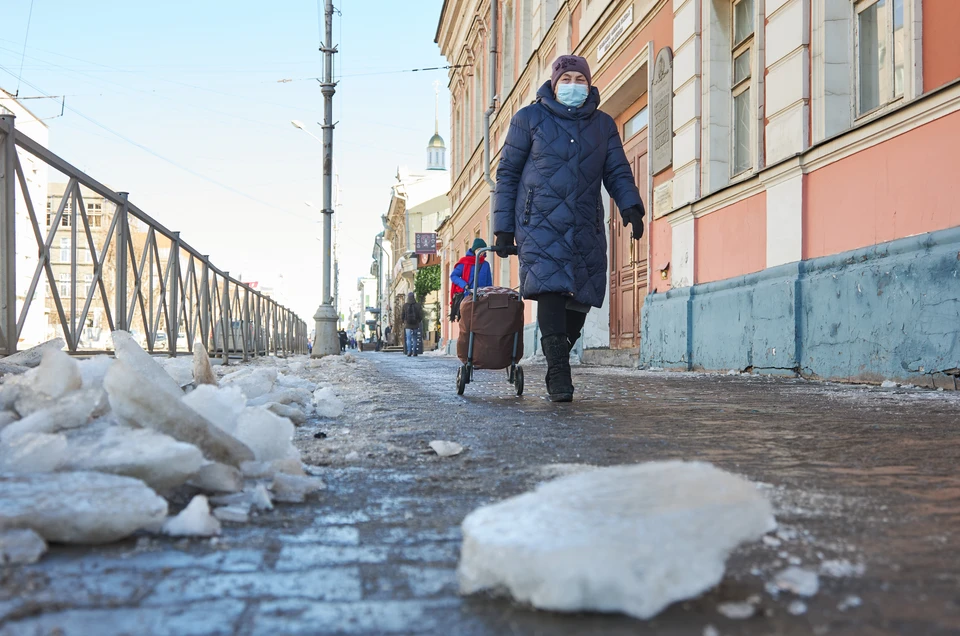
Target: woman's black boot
{"type": "Point", "coordinates": [559, 384]}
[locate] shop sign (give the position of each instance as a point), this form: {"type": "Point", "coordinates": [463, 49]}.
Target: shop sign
{"type": "Point", "coordinates": [662, 111]}
{"type": "Point", "coordinates": [426, 243]}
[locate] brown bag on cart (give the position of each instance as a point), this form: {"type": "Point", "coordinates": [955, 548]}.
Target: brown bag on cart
{"type": "Point", "coordinates": [494, 317]}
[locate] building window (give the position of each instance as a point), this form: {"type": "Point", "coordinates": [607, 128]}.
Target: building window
{"type": "Point", "coordinates": [64, 250]}
{"type": "Point", "coordinates": [477, 97]}
{"type": "Point", "coordinates": [507, 49]}
{"type": "Point", "coordinates": [636, 123]}
{"type": "Point", "coordinates": [65, 285]}
{"type": "Point", "coordinates": [742, 55]}
{"type": "Point", "coordinates": [880, 53]}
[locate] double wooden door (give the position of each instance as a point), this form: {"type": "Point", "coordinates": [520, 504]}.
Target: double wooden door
{"type": "Point", "coordinates": [628, 259]}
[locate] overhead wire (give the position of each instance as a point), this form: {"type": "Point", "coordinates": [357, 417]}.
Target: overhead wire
{"type": "Point", "coordinates": [26, 36]}
{"type": "Point", "coordinates": [173, 163]}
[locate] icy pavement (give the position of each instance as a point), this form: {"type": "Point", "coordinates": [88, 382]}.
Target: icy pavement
{"type": "Point", "coordinates": [864, 483]}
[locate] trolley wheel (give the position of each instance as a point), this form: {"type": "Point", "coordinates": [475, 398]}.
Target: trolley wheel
{"type": "Point", "coordinates": [461, 379]}
{"type": "Point", "coordinates": [518, 381]}
{"type": "Point", "coordinates": [510, 373]}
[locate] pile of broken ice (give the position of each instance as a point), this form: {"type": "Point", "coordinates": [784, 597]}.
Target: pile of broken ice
{"type": "Point", "coordinates": [90, 448]}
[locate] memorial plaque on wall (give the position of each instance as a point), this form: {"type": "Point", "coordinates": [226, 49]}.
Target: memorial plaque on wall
{"type": "Point", "coordinates": [662, 111]}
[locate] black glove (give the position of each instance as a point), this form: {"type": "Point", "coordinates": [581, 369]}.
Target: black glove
{"type": "Point", "coordinates": [634, 216]}
{"type": "Point", "coordinates": [505, 244]}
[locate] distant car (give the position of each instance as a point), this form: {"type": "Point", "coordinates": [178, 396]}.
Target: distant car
{"type": "Point", "coordinates": [235, 341]}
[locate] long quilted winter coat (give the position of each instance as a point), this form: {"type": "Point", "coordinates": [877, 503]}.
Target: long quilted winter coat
{"type": "Point", "coordinates": [548, 194]}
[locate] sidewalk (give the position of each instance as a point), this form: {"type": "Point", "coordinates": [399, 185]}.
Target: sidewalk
{"type": "Point", "coordinates": [865, 482]}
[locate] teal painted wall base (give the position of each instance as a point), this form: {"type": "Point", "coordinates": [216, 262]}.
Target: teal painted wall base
{"type": "Point", "coordinates": [891, 311]}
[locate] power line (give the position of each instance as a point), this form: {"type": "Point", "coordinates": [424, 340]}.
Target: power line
{"type": "Point", "coordinates": [166, 159]}
{"type": "Point", "coordinates": [24, 53]}
{"type": "Point", "coordinates": [408, 70]}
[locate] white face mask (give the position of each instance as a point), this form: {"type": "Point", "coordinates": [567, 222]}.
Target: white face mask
{"type": "Point", "coordinates": [572, 94]}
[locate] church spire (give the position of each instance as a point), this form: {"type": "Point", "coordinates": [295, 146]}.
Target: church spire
{"type": "Point", "coordinates": [436, 109]}
{"type": "Point", "coordinates": [436, 149]}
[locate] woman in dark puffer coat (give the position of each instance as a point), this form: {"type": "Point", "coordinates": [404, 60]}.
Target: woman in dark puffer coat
{"type": "Point", "coordinates": [547, 200]}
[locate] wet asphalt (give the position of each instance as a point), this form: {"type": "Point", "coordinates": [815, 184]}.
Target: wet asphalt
{"type": "Point", "coordinates": [859, 476]}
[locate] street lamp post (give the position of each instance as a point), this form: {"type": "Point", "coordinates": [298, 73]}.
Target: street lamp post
{"type": "Point", "coordinates": [378, 242]}
{"type": "Point", "coordinates": [327, 341]}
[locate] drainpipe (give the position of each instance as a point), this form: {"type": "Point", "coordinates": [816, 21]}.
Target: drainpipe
{"type": "Point", "coordinates": [492, 69]}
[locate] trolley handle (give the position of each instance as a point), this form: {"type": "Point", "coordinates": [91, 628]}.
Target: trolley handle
{"type": "Point", "coordinates": [510, 251]}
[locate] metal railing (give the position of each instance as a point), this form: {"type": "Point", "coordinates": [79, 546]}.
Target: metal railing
{"type": "Point", "coordinates": [138, 276]}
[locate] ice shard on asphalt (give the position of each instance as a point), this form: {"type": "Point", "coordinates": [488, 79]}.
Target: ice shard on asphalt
{"type": "Point", "coordinates": [79, 507]}
{"type": "Point", "coordinates": [629, 539]}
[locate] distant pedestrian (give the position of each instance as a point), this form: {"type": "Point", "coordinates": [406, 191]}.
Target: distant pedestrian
{"type": "Point", "coordinates": [558, 152]}
{"type": "Point", "coordinates": [461, 278]}
{"type": "Point", "coordinates": [388, 335]}
{"type": "Point", "coordinates": [343, 340]}
{"type": "Point", "coordinates": [309, 346]}
{"type": "Point", "coordinates": [412, 315]}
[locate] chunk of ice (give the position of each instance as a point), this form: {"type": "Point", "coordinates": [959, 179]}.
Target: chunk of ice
{"type": "Point", "coordinates": [630, 539]}
{"type": "Point", "coordinates": [327, 403]}
{"type": "Point", "coordinates": [72, 411]}
{"type": "Point", "coordinates": [292, 413]}
{"type": "Point", "coordinates": [57, 375]}
{"type": "Point", "coordinates": [798, 581]}
{"type": "Point", "coordinates": [33, 453]}
{"type": "Point", "coordinates": [253, 382]}
{"type": "Point", "coordinates": [135, 399]}
{"type": "Point", "coordinates": [446, 449]}
{"type": "Point", "coordinates": [88, 508]}
{"type": "Point", "coordinates": [849, 602]}
{"type": "Point", "coordinates": [158, 460]}
{"type": "Point", "coordinates": [202, 371]}
{"type": "Point", "coordinates": [294, 489]}
{"type": "Point", "coordinates": [93, 370]}
{"type": "Point", "coordinates": [180, 369]}
{"type": "Point", "coordinates": [138, 361]}
{"type": "Point", "coordinates": [21, 546]}
{"type": "Point", "coordinates": [256, 497]}
{"type": "Point", "coordinates": [32, 356]}
{"type": "Point", "coordinates": [797, 608]}
{"type": "Point", "coordinates": [235, 513]}
{"type": "Point", "coordinates": [220, 406]}
{"type": "Point", "coordinates": [193, 521]}
{"type": "Point", "coordinates": [269, 436]}
{"type": "Point", "coordinates": [842, 568]}
{"type": "Point", "coordinates": [301, 397]}
{"type": "Point", "coordinates": [294, 382]}
{"type": "Point", "coordinates": [215, 477]}
{"type": "Point", "coordinates": [737, 611]}
{"type": "Point", "coordinates": [888, 384]}
{"type": "Point", "coordinates": [7, 417]}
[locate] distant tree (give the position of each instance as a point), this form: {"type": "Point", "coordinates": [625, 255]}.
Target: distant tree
{"type": "Point", "coordinates": [426, 282]}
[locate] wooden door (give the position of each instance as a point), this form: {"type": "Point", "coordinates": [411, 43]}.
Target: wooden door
{"type": "Point", "coordinates": [628, 259]}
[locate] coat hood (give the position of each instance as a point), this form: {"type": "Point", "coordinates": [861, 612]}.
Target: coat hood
{"type": "Point", "coordinates": [546, 96]}
{"type": "Point", "coordinates": [411, 298]}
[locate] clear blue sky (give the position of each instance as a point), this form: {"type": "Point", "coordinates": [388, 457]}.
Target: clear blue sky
{"type": "Point", "coordinates": [196, 82]}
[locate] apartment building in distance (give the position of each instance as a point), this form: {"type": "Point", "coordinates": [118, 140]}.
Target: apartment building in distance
{"type": "Point", "coordinates": [35, 175]}
{"type": "Point", "coordinates": [796, 160]}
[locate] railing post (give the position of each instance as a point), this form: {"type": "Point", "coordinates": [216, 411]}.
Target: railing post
{"type": "Point", "coordinates": [123, 237]}
{"type": "Point", "coordinates": [174, 306]}
{"type": "Point", "coordinates": [205, 308]}
{"type": "Point", "coordinates": [225, 323]}
{"type": "Point", "coordinates": [245, 325]}
{"type": "Point", "coordinates": [8, 237]}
